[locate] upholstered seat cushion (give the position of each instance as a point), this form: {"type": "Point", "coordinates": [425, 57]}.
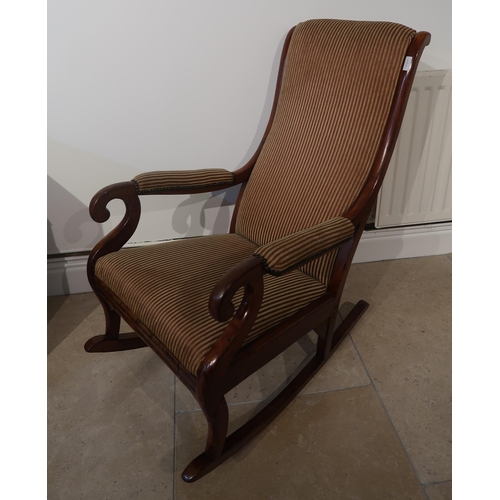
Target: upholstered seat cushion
{"type": "Point", "coordinates": [168, 285]}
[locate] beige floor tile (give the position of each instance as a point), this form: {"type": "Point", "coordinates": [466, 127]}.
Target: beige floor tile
{"type": "Point", "coordinates": [110, 416]}
{"type": "Point", "coordinates": [441, 491]}
{"type": "Point", "coordinates": [344, 369]}
{"type": "Point", "coordinates": [404, 340]}
{"type": "Point", "coordinates": [62, 318]}
{"type": "Point", "coordinates": [324, 446]}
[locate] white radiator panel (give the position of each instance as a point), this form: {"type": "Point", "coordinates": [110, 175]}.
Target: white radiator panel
{"type": "Point", "coordinates": [417, 186]}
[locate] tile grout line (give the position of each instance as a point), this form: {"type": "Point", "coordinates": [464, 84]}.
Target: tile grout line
{"type": "Point", "coordinates": [254, 401]}
{"type": "Point", "coordinates": [333, 390]}
{"type": "Point", "coordinates": [390, 419]}
{"type": "Point", "coordinates": [435, 483]}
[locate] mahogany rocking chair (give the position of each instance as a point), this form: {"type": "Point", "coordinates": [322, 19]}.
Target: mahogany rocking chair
{"type": "Point", "coordinates": [217, 308]}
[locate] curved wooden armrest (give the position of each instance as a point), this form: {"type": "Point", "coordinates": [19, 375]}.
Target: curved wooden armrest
{"type": "Point", "coordinates": [248, 274]}
{"type": "Point", "coordinates": [292, 251]}
{"type": "Point", "coordinates": [183, 181]}
{"type": "Point", "coordinates": [160, 182]}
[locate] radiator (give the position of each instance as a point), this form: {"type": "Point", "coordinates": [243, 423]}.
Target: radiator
{"type": "Point", "coordinates": [417, 186]}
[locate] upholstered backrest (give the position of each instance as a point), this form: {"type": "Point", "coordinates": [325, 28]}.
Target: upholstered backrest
{"type": "Point", "coordinates": [339, 81]}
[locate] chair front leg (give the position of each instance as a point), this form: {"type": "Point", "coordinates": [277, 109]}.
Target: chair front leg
{"type": "Point", "coordinates": [217, 430]}
{"type": "Point", "coordinates": [112, 242]}
{"type": "Point", "coordinates": [113, 320]}
{"type": "Point", "coordinates": [216, 441]}
{"type": "Point", "coordinates": [213, 370]}
{"type": "Point", "coordinates": [112, 341]}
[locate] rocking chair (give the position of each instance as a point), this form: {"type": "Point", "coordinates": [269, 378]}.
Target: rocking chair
{"type": "Point", "coordinates": [217, 308]}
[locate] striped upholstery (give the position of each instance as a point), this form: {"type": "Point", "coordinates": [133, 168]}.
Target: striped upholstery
{"type": "Point", "coordinates": [167, 287]}
{"type": "Point", "coordinates": [337, 89]}
{"type": "Point", "coordinates": [283, 255]}
{"type": "Point", "coordinates": [150, 182]}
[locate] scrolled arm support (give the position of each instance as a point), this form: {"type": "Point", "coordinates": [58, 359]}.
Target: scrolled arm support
{"type": "Point", "coordinates": [116, 238]}
{"type": "Point", "coordinates": [248, 274]}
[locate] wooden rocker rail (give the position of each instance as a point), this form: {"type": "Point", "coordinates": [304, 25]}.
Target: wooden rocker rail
{"type": "Point", "coordinates": [207, 461]}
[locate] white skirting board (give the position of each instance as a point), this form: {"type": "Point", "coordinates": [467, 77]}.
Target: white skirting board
{"type": "Point", "coordinates": [404, 243]}
{"type": "Point", "coordinates": [68, 275]}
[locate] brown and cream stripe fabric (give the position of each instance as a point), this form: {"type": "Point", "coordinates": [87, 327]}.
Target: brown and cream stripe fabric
{"type": "Point", "coordinates": [338, 85]}
{"type": "Point", "coordinates": [167, 286]}
{"type": "Point", "coordinates": [285, 254]}
{"type": "Point", "coordinates": [339, 81]}
{"type": "Point", "coordinates": [159, 181]}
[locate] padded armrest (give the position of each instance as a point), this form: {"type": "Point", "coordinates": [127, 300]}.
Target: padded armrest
{"type": "Point", "coordinates": [294, 250]}
{"type": "Point", "coordinates": [177, 180]}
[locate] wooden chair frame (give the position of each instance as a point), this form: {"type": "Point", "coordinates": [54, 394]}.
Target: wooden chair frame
{"type": "Point", "coordinates": [229, 361]}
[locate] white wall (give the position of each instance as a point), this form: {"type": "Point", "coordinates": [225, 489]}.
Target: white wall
{"type": "Point", "coordinates": [137, 85]}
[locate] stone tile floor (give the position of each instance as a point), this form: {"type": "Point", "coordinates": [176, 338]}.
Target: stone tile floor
{"type": "Point", "coordinates": [375, 423]}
